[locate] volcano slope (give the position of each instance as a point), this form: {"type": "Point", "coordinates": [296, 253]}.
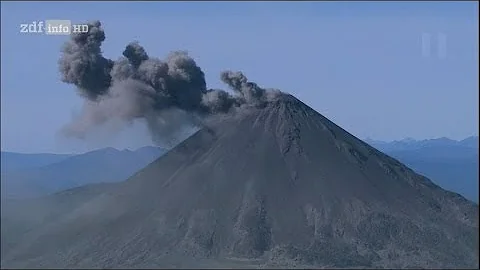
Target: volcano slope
{"type": "Point", "coordinates": [278, 186]}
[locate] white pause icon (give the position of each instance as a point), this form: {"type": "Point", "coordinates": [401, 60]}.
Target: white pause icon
{"type": "Point", "coordinates": [440, 45]}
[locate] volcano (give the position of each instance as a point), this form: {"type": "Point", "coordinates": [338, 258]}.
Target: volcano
{"type": "Point", "coordinates": [276, 186]}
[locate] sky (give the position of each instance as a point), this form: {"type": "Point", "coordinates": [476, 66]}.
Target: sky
{"type": "Point", "coordinates": [380, 70]}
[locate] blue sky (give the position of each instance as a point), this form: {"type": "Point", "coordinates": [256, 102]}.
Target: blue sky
{"type": "Point", "coordinates": [358, 63]}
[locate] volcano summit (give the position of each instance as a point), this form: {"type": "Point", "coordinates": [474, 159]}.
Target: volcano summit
{"type": "Point", "coordinates": [277, 185]}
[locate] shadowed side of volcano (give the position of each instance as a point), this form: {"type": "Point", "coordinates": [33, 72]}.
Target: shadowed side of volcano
{"type": "Point", "coordinates": [279, 185]}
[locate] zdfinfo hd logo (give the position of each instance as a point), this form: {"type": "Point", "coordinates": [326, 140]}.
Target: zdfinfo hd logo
{"type": "Point", "coordinates": [53, 27]}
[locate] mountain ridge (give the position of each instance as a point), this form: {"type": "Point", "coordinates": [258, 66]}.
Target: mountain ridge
{"type": "Point", "coordinates": [101, 165]}
{"type": "Point", "coordinates": [412, 144]}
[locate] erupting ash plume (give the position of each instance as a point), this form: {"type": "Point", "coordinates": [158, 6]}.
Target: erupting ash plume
{"type": "Point", "coordinates": [167, 94]}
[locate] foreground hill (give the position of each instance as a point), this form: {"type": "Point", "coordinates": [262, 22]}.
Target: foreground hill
{"type": "Point", "coordinates": [273, 186]}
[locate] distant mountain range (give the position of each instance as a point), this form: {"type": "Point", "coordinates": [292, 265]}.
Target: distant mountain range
{"type": "Point", "coordinates": [11, 161]}
{"type": "Point", "coordinates": [412, 144]}
{"type": "Point", "coordinates": [30, 175]}
{"type": "Point", "coordinates": [451, 164]}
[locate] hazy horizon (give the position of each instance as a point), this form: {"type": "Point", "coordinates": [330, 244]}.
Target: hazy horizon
{"type": "Point", "coordinates": [151, 145]}
{"type": "Point", "coordinates": [362, 65]}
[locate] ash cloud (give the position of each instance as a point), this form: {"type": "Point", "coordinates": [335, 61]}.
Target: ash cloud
{"type": "Point", "coordinates": [248, 92]}
{"type": "Point", "coordinates": [82, 63]}
{"type": "Point", "coordinates": [167, 94]}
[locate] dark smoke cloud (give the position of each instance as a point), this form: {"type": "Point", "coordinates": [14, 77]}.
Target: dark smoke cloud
{"type": "Point", "coordinates": [135, 54]}
{"type": "Point", "coordinates": [249, 92]}
{"type": "Point", "coordinates": [82, 63]}
{"type": "Point", "coordinates": [167, 94]}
